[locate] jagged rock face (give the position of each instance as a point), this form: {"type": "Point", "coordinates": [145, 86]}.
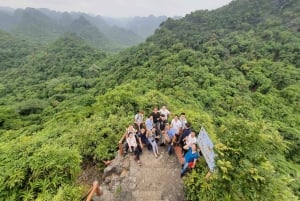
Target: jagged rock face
{"type": "Point", "coordinates": [156, 180]}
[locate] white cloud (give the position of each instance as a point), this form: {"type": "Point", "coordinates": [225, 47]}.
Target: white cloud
{"type": "Point", "coordinates": [120, 8]}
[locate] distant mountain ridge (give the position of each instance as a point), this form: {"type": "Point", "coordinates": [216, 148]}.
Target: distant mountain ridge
{"type": "Point", "coordinates": [44, 26]}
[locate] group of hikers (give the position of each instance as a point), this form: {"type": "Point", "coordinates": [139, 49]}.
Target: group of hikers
{"type": "Point", "coordinates": [156, 130]}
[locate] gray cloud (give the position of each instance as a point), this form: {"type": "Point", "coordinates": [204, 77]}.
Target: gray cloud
{"type": "Point", "coordinates": [120, 8]}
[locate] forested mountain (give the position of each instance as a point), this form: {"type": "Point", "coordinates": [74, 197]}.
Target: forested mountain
{"type": "Point", "coordinates": [234, 70]}
{"type": "Point", "coordinates": [143, 26]}
{"type": "Point", "coordinates": [44, 26]}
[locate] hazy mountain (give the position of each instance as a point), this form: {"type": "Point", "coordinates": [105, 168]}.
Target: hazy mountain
{"type": "Point", "coordinates": [84, 29]}
{"type": "Point", "coordinates": [143, 26]}
{"type": "Point", "coordinates": [44, 26]}
{"type": "Point", "coordinates": [7, 9]}
{"type": "Point", "coordinates": [116, 33]}
{"type": "Point", "coordinates": [33, 25]}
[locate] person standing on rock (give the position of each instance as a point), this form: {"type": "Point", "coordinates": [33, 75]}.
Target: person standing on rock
{"type": "Point", "coordinates": [162, 125]}
{"type": "Point", "coordinates": [156, 116]}
{"type": "Point", "coordinates": [176, 124]}
{"type": "Point", "coordinates": [190, 157]}
{"type": "Point", "coordinates": [138, 119]}
{"type": "Point", "coordinates": [165, 111]}
{"type": "Point", "coordinates": [133, 147]}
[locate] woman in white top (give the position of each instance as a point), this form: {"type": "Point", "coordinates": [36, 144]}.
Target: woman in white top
{"type": "Point", "coordinates": [130, 129]}
{"type": "Point", "coordinates": [133, 146]}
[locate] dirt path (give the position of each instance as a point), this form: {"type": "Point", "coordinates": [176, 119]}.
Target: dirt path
{"type": "Point", "coordinates": [156, 180]}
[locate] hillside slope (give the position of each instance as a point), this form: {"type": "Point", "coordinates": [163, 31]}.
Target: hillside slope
{"type": "Point", "coordinates": [234, 70]}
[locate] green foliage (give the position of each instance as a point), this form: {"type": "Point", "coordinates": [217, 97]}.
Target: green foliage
{"type": "Point", "coordinates": [233, 70]}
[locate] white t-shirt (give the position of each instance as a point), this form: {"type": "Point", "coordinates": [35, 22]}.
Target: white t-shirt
{"type": "Point", "coordinates": [176, 125]}
{"type": "Point", "coordinates": [131, 141]}
{"type": "Point", "coordinates": [138, 118]}
{"type": "Point", "coordinates": [191, 140]}
{"type": "Point", "coordinates": [165, 112]}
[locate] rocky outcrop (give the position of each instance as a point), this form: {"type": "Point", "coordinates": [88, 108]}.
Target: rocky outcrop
{"type": "Point", "coordinates": [158, 179]}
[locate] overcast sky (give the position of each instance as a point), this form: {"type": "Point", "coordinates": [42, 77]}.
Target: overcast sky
{"type": "Point", "coordinates": [120, 8]}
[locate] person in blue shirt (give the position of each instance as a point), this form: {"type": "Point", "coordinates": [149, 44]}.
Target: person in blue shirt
{"type": "Point", "coordinates": [149, 123]}
{"type": "Point", "coordinates": [169, 137]}
{"type": "Point", "coordinates": [190, 157]}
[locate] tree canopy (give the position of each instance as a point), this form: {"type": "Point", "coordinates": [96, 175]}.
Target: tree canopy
{"type": "Point", "coordinates": [234, 70]}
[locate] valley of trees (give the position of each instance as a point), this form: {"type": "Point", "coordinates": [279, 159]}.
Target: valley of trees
{"type": "Point", "coordinates": [234, 70]}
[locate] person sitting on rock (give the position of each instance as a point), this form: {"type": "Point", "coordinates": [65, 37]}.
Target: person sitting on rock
{"type": "Point", "coordinates": [169, 136]}
{"type": "Point", "coordinates": [131, 129]}
{"type": "Point", "coordinates": [189, 140]}
{"type": "Point", "coordinates": [123, 145]}
{"type": "Point", "coordinates": [133, 147]}
{"type": "Point", "coordinates": [151, 138]}
{"type": "Point", "coordinates": [142, 134]}
{"type": "Point", "coordinates": [190, 157]}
